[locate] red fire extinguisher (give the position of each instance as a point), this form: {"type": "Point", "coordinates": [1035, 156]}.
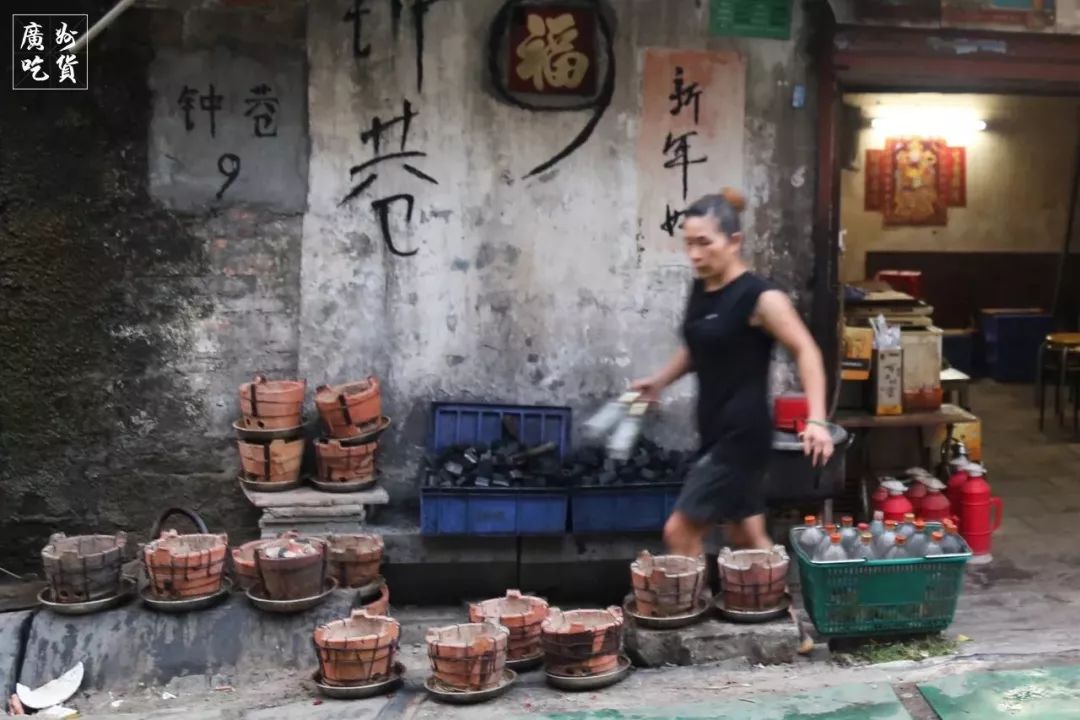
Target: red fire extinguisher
{"type": "Point", "coordinates": [896, 506]}
{"type": "Point", "coordinates": [935, 506]}
{"type": "Point", "coordinates": [980, 512]}
{"type": "Point", "coordinates": [957, 478]}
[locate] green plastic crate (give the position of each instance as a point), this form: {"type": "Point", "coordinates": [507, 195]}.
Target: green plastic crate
{"type": "Point", "coordinates": [852, 598]}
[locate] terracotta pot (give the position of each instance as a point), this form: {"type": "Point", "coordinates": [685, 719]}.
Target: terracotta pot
{"type": "Point", "coordinates": [357, 650]}
{"type": "Point", "coordinates": [271, 405]}
{"type": "Point", "coordinates": [244, 564]}
{"type": "Point", "coordinates": [354, 559]}
{"type": "Point", "coordinates": [275, 461]}
{"type": "Point", "coordinates": [291, 578]}
{"type": "Point", "coordinates": [381, 605]}
{"type": "Point", "coordinates": [468, 657]}
{"type": "Point", "coordinates": [185, 566]}
{"type": "Point", "coordinates": [337, 463]}
{"type": "Point", "coordinates": [582, 642]}
{"type": "Point", "coordinates": [347, 409]}
{"type": "Point", "coordinates": [520, 614]}
{"type": "Point", "coordinates": [666, 585]}
{"type": "Point", "coordinates": [753, 579]}
{"type": "Point", "coordinates": [83, 567]}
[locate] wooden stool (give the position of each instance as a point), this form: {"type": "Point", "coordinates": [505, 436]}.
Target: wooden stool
{"type": "Point", "coordinates": [1056, 354]}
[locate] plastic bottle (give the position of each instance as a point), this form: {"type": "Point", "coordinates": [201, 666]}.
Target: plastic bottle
{"type": "Point", "coordinates": [917, 543]}
{"type": "Point", "coordinates": [934, 546]}
{"type": "Point", "coordinates": [833, 551]}
{"type": "Point", "coordinates": [898, 551]}
{"type": "Point", "coordinates": [907, 528]}
{"type": "Point", "coordinates": [885, 540]}
{"type": "Point", "coordinates": [878, 525]}
{"type": "Point", "coordinates": [826, 539]}
{"type": "Point", "coordinates": [811, 537]}
{"type": "Point", "coordinates": [951, 543]}
{"type": "Point", "coordinates": [849, 536]}
{"type": "Point", "coordinates": [865, 549]}
{"type": "Point", "coordinates": [607, 417]}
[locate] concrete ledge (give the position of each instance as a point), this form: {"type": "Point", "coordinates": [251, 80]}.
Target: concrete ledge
{"type": "Point", "coordinates": [13, 625]}
{"type": "Point", "coordinates": [712, 641]}
{"type": "Point", "coordinates": [130, 645]}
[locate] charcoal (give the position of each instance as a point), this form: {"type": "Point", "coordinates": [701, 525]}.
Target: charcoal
{"type": "Point", "coordinates": [483, 482]}
{"type": "Point", "coordinates": [471, 456]}
{"type": "Point", "coordinates": [517, 475]}
{"type": "Point", "coordinates": [649, 475]}
{"type": "Point", "coordinates": [500, 483]}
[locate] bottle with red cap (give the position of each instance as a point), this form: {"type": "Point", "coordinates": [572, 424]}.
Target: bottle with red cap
{"type": "Point", "coordinates": [898, 551]}
{"type": "Point", "coordinates": [811, 536]}
{"type": "Point", "coordinates": [833, 551]}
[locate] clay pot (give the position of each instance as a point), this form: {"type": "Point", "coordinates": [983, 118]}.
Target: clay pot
{"type": "Point", "coordinates": [520, 614]}
{"type": "Point", "coordinates": [185, 566]}
{"type": "Point", "coordinates": [83, 567]}
{"type": "Point", "coordinates": [354, 559]}
{"type": "Point", "coordinates": [338, 463]}
{"type": "Point", "coordinates": [291, 578]}
{"type": "Point", "coordinates": [244, 564]}
{"type": "Point", "coordinates": [582, 642]}
{"type": "Point", "coordinates": [468, 657]}
{"type": "Point", "coordinates": [381, 604]}
{"type": "Point", "coordinates": [753, 579]}
{"type": "Point", "coordinates": [275, 461]}
{"type": "Point", "coordinates": [666, 585]}
{"type": "Point", "coordinates": [271, 405]}
{"type": "Point", "coordinates": [357, 650]}
{"type": "Point", "coordinates": [351, 408]}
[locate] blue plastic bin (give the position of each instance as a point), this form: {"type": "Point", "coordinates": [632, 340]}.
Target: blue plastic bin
{"type": "Point", "coordinates": [622, 508]}
{"type": "Point", "coordinates": [489, 511]}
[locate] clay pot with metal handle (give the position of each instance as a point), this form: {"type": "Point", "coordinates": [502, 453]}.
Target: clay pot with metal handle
{"type": "Point", "coordinates": [82, 568]}
{"type": "Point", "coordinates": [357, 650]}
{"type": "Point", "coordinates": [272, 404]}
{"type": "Point", "coordinates": [243, 558]}
{"type": "Point", "coordinates": [469, 656]}
{"type": "Point", "coordinates": [520, 614]}
{"type": "Point", "coordinates": [354, 559]}
{"type": "Point", "coordinates": [582, 642]}
{"type": "Point", "coordinates": [342, 463]}
{"type": "Point", "coordinates": [350, 408]}
{"type": "Point", "coordinates": [274, 461]}
{"type": "Point", "coordinates": [185, 566]}
{"type": "Point", "coordinates": [666, 585]}
{"type": "Point", "coordinates": [292, 567]}
{"type": "Point", "coordinates": [753, 580]}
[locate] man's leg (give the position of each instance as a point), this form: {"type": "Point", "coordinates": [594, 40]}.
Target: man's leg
{"type": "Point", "coordinates": [684, 536]}
{"type": "Point", "coordinates": [734, 535]}
{"type": "Point", "coordinates": [753, 533]}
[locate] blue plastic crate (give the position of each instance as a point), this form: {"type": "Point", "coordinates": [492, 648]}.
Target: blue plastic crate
{"type": "Point", "coordinates": [487, 511]}
{"type": "Point", "coordinates": [622, 508]}
{"type": "Point", "coordinates": [468, 423]}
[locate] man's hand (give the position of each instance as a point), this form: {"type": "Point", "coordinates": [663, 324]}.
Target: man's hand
{"type": "Point", "coordinates": [650, 389]}
{"type": "Point", "coordinates": [817, 442]}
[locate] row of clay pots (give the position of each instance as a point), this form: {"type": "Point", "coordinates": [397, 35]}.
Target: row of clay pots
{"type": "Point", "coordinates": [278, 461]}
{"type": "Point", "coordinates": [352, 559]}
{"type": "Point", "coordinates": [83, 568]}
{"type": "Point", "coordinates": [348, 410]}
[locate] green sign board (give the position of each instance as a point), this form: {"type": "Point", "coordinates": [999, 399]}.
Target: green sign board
{"type": "Point", "coordinates": [751, 18]}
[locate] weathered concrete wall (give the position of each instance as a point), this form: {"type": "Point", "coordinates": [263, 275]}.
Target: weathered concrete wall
{"type": "Point", "coordinates": [127, 327]}
{"type": "Point", "coordinates": [550, 289]}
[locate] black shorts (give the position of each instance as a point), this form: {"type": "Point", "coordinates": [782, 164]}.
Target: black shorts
{"type": "Point", "coordinates": [718, 492]}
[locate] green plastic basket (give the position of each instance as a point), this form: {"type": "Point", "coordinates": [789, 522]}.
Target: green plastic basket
{"type": "Point", "coordinates": [852, 598]}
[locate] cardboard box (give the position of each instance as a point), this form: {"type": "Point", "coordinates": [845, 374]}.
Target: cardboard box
{"type": "Point", "coordinates": [922, 369]}
{"type": "Point", "coordinates": [858, 353]}
{"type": "Point", "coordinates": [887, 397]}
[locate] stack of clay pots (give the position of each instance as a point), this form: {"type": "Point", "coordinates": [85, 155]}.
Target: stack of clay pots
{"type": "Point", "coordinates": [469, 657]}
{"type": "Point", "coordinates": [666, 585]}
{"type": "Point", "coordinates": [753, 580]}
{"type": "Point", "coordinates": [521, 615]}
{"type": "Point", "coordinates": [582, 643]}
{"type": "Point", "coordinates": [270, 433]}
{"type": "Point", "coordinates": [352, 414]}
{"type": "Point", "coordinates": [291, 567]}
{"type": "Point", "coordinates": [83, 568]}
{"type": "Point", "coordinates": [358, 650]}
{"type": "Point", "coordinates": [185, 567]}
{"type": "Point", "coordinates": [354, 561]}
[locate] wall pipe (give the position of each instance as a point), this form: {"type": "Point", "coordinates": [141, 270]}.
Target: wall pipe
{"type": "Point", "coordinates": [106, 20]}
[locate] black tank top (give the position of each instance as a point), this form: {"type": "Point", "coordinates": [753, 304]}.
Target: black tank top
{"type": "Point", "coordinates": [731, 359]}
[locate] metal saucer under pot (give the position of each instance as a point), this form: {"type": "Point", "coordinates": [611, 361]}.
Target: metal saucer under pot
{"type": "Point", "coordinates": [451, 696]}
{"type": "Point", "coordinates": [701, 609]}
{"type": "Point", "coordinates": [290, 606]}
{"type": "Point", "coordinates": [185, 604]}
{"type": "Point", "coordinates": [753, 616]}
{"type": "Point", "coordinates": [127, 589]}
{"type": "Point", "coordinates": [359, 692]}
{"type": "Point", "coordinates": [581, 683]}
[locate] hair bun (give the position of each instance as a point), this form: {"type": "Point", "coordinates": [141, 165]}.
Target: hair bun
{"type": "Point", "coordinates": [734, 198]}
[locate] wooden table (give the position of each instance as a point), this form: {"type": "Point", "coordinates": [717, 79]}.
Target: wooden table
{"type": "Point", "coordinates": [954, 381]}
{"type": "Point", "coordinates": [860, 423]}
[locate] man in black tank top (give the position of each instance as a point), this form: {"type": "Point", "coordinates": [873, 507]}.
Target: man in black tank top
{"type": "Point", "coordinates": [733, 318]}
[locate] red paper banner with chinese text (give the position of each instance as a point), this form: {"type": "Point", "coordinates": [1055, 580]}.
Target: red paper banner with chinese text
{"type": "Point", "coordinates": [875, 185]}
{"type": "Point", "coordinates": [953, 183]}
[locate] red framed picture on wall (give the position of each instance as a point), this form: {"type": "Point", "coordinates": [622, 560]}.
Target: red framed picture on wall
{"type": "Point", "coordinates": [552, 50]}
{"type": "Point", "coordinates": [912, 186]}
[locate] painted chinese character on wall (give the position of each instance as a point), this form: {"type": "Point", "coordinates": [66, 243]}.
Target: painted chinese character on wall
{"type": "Point", "coordinates": [552, 51]}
